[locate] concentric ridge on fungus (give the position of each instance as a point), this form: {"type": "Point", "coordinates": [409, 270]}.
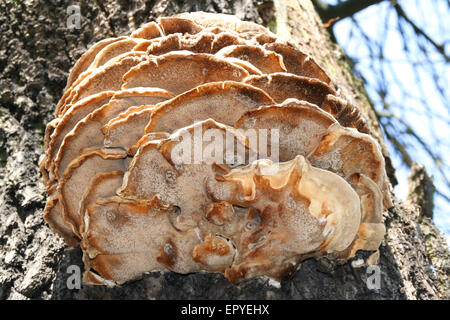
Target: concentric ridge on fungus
{"type": "Point", "coordinates": [130, 182]}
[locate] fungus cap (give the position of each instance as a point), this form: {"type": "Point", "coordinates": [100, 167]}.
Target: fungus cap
{"type": "Point", "coordinates": [204, 143]}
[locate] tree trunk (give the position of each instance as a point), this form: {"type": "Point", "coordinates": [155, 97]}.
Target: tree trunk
{"type": "Point", "coordinates": [36, 52]}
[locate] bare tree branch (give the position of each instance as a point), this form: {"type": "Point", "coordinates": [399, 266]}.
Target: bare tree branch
{"type": "Point", "coordinates": [341, 10]}
{"type": "Point", "coordinates": [439, 47]}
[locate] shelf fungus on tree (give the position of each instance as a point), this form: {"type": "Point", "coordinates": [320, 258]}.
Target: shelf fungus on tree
{"type": "Point", "coordinates": [204, 143]}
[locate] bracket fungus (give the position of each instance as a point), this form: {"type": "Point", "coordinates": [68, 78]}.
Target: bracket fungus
{"type": "Point", "coordinates": [205, 143]}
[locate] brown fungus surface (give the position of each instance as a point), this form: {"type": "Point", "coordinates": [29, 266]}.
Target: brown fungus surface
{"type": "Point", "coordinates": [204, 143]}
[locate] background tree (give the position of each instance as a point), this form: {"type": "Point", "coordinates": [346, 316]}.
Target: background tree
{"type": "Point", "coordinates": [37, 49]}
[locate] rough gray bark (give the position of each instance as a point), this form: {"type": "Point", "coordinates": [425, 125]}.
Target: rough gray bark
{"type": "Point", "coordinates": [420, 203]}
{"type": "Point", "coordinates": [37, 51]}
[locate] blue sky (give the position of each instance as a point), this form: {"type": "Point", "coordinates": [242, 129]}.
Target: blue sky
{"type": "Point", "coordinates": [411, 89]}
